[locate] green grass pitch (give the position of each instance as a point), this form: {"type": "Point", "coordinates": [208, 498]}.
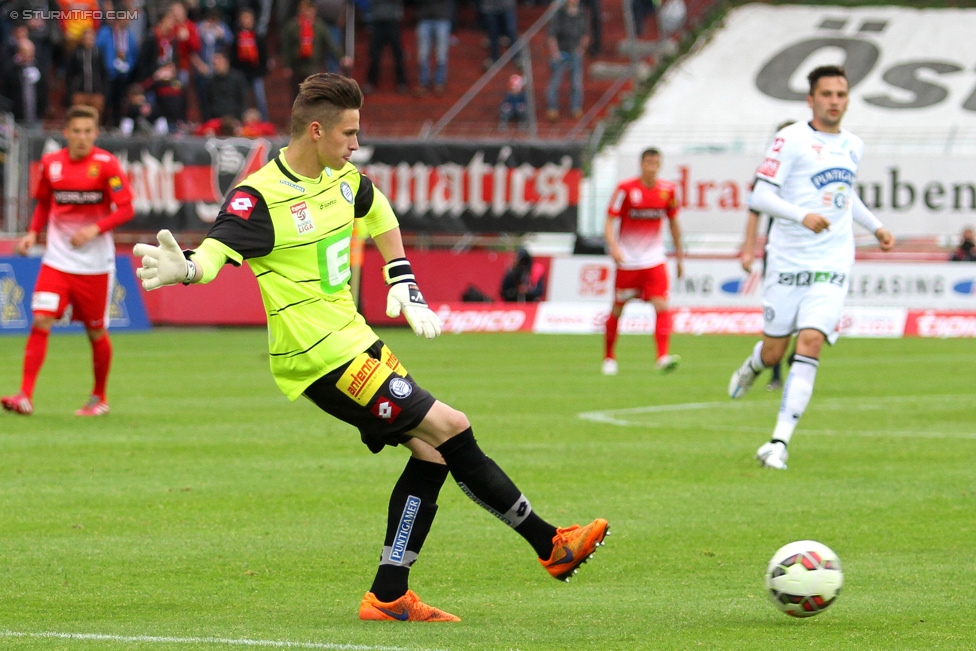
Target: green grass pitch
{"type": "Point", "coordinates": [208, 512]}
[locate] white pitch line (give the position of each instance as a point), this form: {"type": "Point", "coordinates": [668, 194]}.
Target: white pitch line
{"type": "Point", "coordinates": [605, 415]}
{"type": "Point", "coordinates": [155, 639]}
{"type": "Point", "coordinates": [619, 416]}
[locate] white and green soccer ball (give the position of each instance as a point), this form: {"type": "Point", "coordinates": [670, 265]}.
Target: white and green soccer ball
{"type": "Point", "coordinates": [804, 578]}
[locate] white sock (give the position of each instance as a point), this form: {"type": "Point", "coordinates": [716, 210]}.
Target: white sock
{"type": "Point", "coordinates": [755, 360]}
{"type": "Point", "coordinates": [796, 396]}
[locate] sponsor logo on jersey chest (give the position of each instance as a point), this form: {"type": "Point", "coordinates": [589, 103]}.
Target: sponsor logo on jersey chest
{"type": "Point", "coordinates": [833, 175]}
{"type": "Point", "coordinates": [294, 186]}
{"type": "Point", "coordinates": [303, 220]}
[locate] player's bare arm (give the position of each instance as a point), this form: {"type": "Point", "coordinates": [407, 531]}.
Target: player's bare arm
{"type": "Point", "coordinates": [765, 199]}
{"type": "Point", "coordinates": [886, 241]}
{"type": "Point", "coordinates": [85, 235]}
{"type": "Point", "coordinates": [610, 234]}
{"type": "Point", "coordinates": [25, 243]}
{"type": "Point", "coordinates": [816, 222]}
{"type": "Point", "coordinates": [748, 253]}
{"type": "Point", "coordinates": [679, 251]}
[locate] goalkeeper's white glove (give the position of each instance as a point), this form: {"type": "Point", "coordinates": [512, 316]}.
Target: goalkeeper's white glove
{"type": "Point", "coordinates": [164, 264]}
{"type": "Point", "coordinates": [405, 297]}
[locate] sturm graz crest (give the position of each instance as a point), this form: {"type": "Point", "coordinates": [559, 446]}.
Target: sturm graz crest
{"type": "Point", "coordinates": [231, 161]}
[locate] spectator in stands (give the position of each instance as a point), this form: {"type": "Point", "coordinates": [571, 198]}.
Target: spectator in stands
{"type": "Point", "coordinates": [515, 105]}
{"type": "Point", "coordinates": [226, 9]}
{"type": "Point", "coordinates": [77, 16]}
{"type": "Point", "coordinates": [254, 127]}
{"type": "Point", "coordinates": [332, 13]}
{"type": "Point", "coordinates": [386, 18]}
{"type": "Point", "coordinates": [185, 40]}
{"type": "Point", "coordinates": [568, 38]}
{"type": "Point", "coordinates": [46, 35]}
{"type": "Point", "coordinates": [501, 21]}
{"type": "Point", "coordinates": [641, 10]}
{"type": "Point", "coordinates": [215, 36]}
{"type": "Point", "coordinates": [85, 74]}
{"type": "Point", "coordinates": [965, 251]}
{"type": "Point", "coordinates": [139, 116]}
{"type": "Point", "coordinates": [249, 55]}
{"type": "Point", "coordinates": [139, 18]}
{"type": "Point", "coordinates": [262, 14]}
{"type": "Point", "coordinates": [24, 86]}
{"type": "Point", "coordinates": [304, 41]}
{"type": "Point", "coordinates": [433, 24]}
{"type": "Point", "coordinates": [525, 280]}
{"type": "Point", "coordinates": [226, 89]}
{"type": "Point", "coordinates": [157, 49]}
{"type": "Point", "coordinates": [595, 12]}
{"type": "Point", "coordinates": [169, 95]}
{"type": "Point", "coordinates": [225, 127]}
{"type": "Point", "coordinates": [120, 54]}
{"type": "Point", "coordinates": [11, 45]}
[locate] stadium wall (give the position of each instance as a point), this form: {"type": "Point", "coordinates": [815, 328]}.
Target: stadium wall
{"type": "Point", "coordinates": [888, 299]}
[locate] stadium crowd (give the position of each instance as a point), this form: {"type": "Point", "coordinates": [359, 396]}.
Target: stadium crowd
{"type": "Point", "coordinates": [198, 66]}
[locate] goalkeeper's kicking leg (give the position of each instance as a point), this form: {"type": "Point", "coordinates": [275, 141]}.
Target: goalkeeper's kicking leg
{"type": "Point", "coordinates": [445, 437]}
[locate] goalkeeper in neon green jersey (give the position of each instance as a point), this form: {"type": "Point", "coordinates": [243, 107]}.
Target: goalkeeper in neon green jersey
{"type": "Point", "coordinates": [292, 221]}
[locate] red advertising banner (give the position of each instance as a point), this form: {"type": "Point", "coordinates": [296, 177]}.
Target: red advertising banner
{"type": "Point", "coordinates": [456, 187]}
{"type": "Point", "coordinates": [933, 323]}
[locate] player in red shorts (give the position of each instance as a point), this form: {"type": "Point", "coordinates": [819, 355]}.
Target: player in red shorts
{"type": "Point", "coordinates": [636, 244]}
{"type": "Point", "coordinates": [82, 194]}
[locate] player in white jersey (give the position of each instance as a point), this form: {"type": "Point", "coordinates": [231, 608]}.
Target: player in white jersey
{"type": "Point", "coordinates": [807, 184]}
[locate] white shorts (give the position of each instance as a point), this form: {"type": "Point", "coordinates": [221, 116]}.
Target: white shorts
{"type": "Point", "coordinates": [794, 301]}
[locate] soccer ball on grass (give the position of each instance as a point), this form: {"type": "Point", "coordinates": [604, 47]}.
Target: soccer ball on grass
{"type": "Point", "coordinates": [804, 578]}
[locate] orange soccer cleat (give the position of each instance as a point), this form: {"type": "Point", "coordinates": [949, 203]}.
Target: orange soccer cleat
{"type": "Point", "coordinates": [19, 404]}
{"type": "Point", "coordinates": [573, 546]}
{"type": "Point", "coordinates": [408, 608]}
{"type": "Point", "coordinates": [94, 407]}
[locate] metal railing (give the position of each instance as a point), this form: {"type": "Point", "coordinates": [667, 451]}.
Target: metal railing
{"type": "Point", "coordinates": [519, 48]}
{"type": "Point", "coordinates": [15, 200]}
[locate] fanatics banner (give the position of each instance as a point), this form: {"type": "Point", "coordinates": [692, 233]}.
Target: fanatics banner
{"type": "Point", "coordinates": [478, 188]}
{"type": "Point", "coordinates": [180, 183]}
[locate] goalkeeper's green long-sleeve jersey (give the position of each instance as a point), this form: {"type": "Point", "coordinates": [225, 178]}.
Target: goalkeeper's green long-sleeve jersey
{"type": "Point", "coordinates": [295, 233]}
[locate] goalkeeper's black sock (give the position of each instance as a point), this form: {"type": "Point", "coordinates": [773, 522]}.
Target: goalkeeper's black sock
{"type": "Point", "coordinates": [413, 505]}
{"type": "Point", "coordinates": [488, 485]}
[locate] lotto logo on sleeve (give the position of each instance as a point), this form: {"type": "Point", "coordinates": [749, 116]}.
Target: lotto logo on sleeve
{"type": "Point", "coordinates": [241, 204]}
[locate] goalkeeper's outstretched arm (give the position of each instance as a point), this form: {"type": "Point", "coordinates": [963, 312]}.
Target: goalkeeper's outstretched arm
{"type": "Point", "coordinates": [167, 264]}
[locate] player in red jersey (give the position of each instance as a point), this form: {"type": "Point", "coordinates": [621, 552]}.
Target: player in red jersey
{"type": "Point", "coordinates": [636, 244]}
{"type": "Point", "coordinates": [82, 194]}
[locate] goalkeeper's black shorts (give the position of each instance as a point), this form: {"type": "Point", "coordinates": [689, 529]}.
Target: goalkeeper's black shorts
{"type": "Point", "coordinates": [375, 394]}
